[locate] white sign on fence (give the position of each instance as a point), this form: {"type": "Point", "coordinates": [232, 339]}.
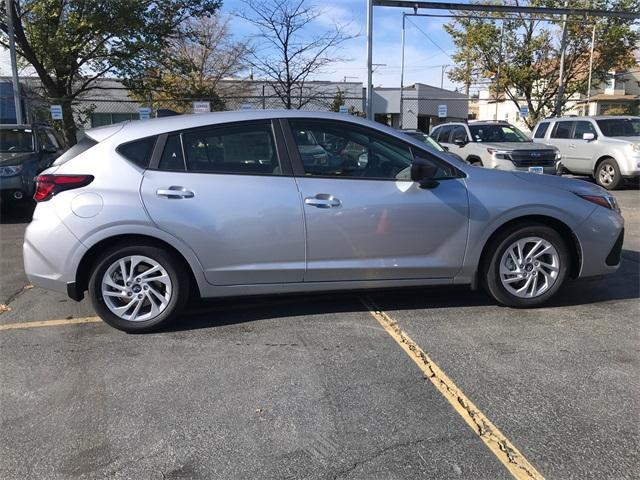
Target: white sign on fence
{"type": "Point", "coordinates": [145, 113]}
{"type": "Point", "coordinates": [344, 109]}
{"type": "Point", "coordinates": [245, 106]}
{"type": "Point", "coordinates": [524, 111]}
{"type": "Point", "coordinates": [442, 111]}
{"type": "Point", "coordinates": [56, 112]}
{"type": "Point", "coordinates": [201, 107]}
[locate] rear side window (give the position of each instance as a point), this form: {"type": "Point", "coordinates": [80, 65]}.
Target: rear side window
{"type": "Point", "coordinates": [541, 130]}
{"type": "Point", "coordinates": [562, 130]}
{"type": "Point", "coordinates": [139, 151]}
{"type": "Point", "coordinates": [82, 146]}
{"type": "Point", "coordinates": [459, 133]}
{"type": "Point", "coordinates": [243, 149]}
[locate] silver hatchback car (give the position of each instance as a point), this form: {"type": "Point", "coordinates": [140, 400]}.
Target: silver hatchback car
{"type": "Point", "coordinates": [145, 215]}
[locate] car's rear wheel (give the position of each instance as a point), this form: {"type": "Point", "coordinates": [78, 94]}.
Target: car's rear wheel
{"type": "Point", "coordinates": [138, 288]}
{"type": "Point", "coordinates": [608, 174]}
{"type": "Point", "coordinates": [526, 265]}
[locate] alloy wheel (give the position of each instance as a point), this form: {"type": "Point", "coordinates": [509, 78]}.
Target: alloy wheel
{"type": "Point", "coordinates": [136, 288]}
{"type": "Point", "coordinates": [529, 267]}
{"type": "Point", "coordinates": [607, 174]}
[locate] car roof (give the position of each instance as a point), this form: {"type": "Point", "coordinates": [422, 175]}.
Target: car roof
{"type": "Point", "coordinates": [156, 126]}
{"type": "Point", "coordinates": [594, 117]}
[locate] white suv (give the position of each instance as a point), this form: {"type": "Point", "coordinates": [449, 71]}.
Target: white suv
{"type": "Point", "coordinates": [496, 144]}
{"type": "Point", "coordinates": [607, 148]}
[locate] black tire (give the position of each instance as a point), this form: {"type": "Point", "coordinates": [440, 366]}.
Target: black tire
{"type": "Point", "coordinates": [174, 268]}
{"type": "Point", "coordinates": [613, 172]}
{"type": "Point", "coordinates": [490, 272]}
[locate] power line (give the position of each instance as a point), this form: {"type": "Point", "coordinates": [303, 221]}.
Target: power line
{"type": "Point", "coordinates": [429, 38]}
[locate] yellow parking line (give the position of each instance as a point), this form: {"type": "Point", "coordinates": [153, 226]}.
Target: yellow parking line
{"type": "Point", "coordinates": [48, 323]}
{"type": "Point", "coordinates": [493, 438]}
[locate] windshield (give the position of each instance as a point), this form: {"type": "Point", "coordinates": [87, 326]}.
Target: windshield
{"type": "Point", "coordinates": [620, 127]}
{"type": "Point", "coordinates": [16, 140]}
{"type": "Point", "coordinates": [496, 133]}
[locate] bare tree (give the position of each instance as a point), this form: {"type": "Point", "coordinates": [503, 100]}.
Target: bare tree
{"type": "Point", "coordinates": [287, 53]}
{"type": "Point", "coordinates": [193, 66]}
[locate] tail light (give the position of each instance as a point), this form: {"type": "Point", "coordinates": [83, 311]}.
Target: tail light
{"type": "Point", "coordinates": [49, 185]}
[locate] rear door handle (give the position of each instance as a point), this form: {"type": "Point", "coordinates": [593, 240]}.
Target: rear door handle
{"type": "Point", "coordinates": [175, 192]}
{"type": "Point", "coordinates": [323, 200]}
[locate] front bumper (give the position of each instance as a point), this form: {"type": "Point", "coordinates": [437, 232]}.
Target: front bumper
{"type": "Point", "coordinates": [601, 237]}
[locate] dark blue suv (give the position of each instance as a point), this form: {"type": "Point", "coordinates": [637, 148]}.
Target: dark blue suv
{"type": "Point", "coordinates": [25, 150]}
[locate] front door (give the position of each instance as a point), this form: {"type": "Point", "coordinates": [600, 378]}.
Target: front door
{"type": "Point", "coordinates": [222, 190]}
{"type": "Point", "coordinates": [581, 151]}
{"type": "Point", "coordinates": [365, 219]}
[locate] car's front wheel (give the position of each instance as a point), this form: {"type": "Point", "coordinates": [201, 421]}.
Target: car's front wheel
{"type": "Point", "coordinates": [526, 265]}
{"type": "Point", "coordinates": [138, 288]}
{"type": "Point", "coordinates": [608, 174]}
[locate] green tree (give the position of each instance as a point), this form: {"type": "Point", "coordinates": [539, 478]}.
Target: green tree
{"type": "Point", "coordinates": [527, 64]}
{"type": "Point", "coordinates": [70, 45]}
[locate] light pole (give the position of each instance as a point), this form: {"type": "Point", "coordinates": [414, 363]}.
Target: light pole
{"type": "Point", "coordinates": [14, 64]}
{"type": "Point", "coordinates": [369, 59]}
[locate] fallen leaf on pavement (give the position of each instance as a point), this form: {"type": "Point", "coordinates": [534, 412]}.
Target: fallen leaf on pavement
{"type": "Point", "coordinates": [4, 308]}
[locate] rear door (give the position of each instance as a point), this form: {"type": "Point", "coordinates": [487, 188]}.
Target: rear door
{"type": "Point", "coordinates": [365, 219]}
{"type": "Point", "coordinates": [561, 137]}
{"type": "Point", "coordinates": [227, 191]}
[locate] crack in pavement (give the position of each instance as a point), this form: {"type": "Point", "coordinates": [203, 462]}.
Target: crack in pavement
{"type": "Point", "coordinates": [508, 454]}
{"type": "Point", "coordinates": [13, 297]}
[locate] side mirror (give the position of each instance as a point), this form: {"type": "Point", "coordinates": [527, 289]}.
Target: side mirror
{"type": "Point", "coordinates": [588, 136]}
{"type": "Point", "coordinates": [460, 142]}
{"type": "Point", "coordinates": [423, 173]}
{"type": "Point", "coordinates": [48, 149]}
{"type": "Point", "coordinates": [446, 149]}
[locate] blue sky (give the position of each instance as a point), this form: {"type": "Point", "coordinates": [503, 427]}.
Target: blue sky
{"type": "Point", "coordinates": [423, 59]}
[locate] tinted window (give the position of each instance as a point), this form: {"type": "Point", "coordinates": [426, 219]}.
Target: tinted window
{"type": "Point", "coordinates": [583, 127]}
{"type": "Point", "coordinates": [562, 130]}
{"type": "Point", "coordinates": [541, 130]}
{"type": "Point", "coordinates": [443, 135]}
{"type": "Point", "coordinates": [242, 148]}
{"type": "Point", "coordinates": [620, 127]}
{"type": "Point", "coordinates": [497, 132]}
{"type": "Point", "coordinates": [82, 146]}
{"type": "Point", "coordinates": [172, 158]}
{"type": "Point", "coordinates": [459, 133]}
{"type": "Point", "coordinates": [138, 152]}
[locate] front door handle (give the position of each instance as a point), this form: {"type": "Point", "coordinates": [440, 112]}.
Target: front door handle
{"type": "Point", "coordinates": [175, 192]}
{"type": "Point", "coordinates": [323, 200]}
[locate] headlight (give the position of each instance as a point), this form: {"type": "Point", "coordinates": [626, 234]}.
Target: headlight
{"type": "Point", "coordinates": [10, 171]}
{"type": "Point", "coordinates": [499, 154]}
{"type": "Point", "coordinates": [606, 201]}
{"type": "Point", "coordinates": [558, 155]}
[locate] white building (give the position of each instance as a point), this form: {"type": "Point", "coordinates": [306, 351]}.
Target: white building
{"type": "Point", "coordinates": [620, 94]}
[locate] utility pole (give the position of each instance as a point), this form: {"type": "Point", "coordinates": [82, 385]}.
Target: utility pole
{"type": "Point", "coordinates": [402, 74]}
{"type": "Point", "coordinates": [593, 42]}
{"type": "Point", "coordinates": [443, 69]}
{"type": "Point", "coordinates": [563, 47]}
{"type": "Point", "coordinates": [370, 59]}
{"type": "Point", "coordinates": [14, 64]}
{"type": "Point", "coordinates": [498, 70]}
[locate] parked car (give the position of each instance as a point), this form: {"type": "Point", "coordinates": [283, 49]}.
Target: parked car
{"type": "Point", "coordinates": [606, 148]}
{"type": "Point", "coordinates": [144, 215]}
{"type": "Point", "coordinates": [496, 145]}
{"type": "Point", "coordinates": [25, 150]}
{"type": "Point", "coordinates": [430, 142]}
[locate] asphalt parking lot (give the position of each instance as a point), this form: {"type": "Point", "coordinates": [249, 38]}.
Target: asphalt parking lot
{"type": "Point", "coordinates": [321, 387]}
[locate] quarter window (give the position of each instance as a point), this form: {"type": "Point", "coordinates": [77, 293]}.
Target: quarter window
{"type": "Point", "coordinates": [562, 130]}
{"type": "Point", "coordinates": [139, 151]}
{"type": "Point", "coordinates": [443, 136]}
{"type": "Point", "coordinates": [541, 130]}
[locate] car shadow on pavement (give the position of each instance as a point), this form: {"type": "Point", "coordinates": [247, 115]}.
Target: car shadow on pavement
{"type": "Point", "coordinates": [623, 285]}
{"type": "Point", "coordinates": [11, 212]}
